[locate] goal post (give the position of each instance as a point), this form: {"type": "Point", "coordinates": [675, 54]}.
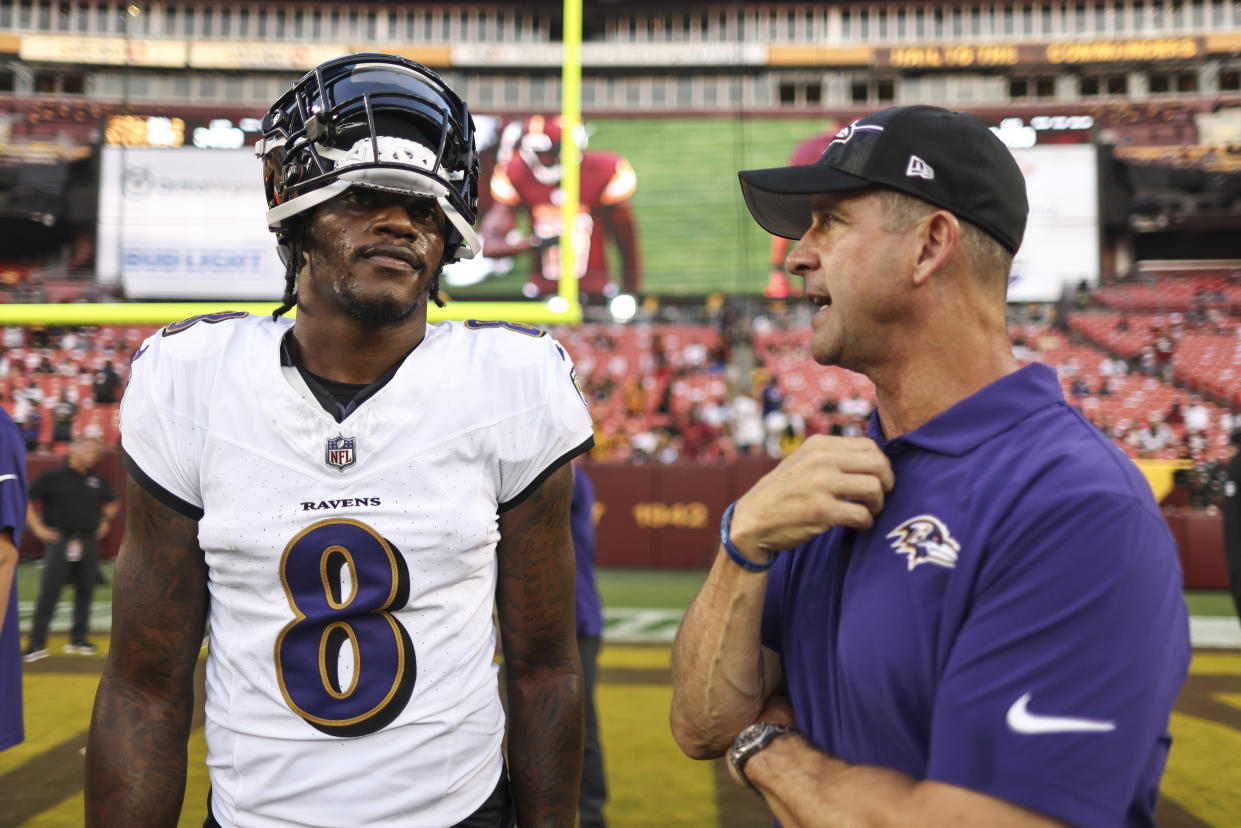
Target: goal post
{"type": "Point", "coordinates": [562, 309]}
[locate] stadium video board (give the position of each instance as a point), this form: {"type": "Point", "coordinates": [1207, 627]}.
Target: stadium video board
{"type": "Point", "coordinates": [189, 223]}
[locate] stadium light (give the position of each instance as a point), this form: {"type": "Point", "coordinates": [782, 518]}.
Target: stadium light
{"type": "Point", "coordinates": [623, 307]}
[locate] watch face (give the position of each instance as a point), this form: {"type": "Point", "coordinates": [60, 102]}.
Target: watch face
{"type": "Point", "coordinates": [749, 742]}
{"type": "Point", "coordinates": [752, 735]}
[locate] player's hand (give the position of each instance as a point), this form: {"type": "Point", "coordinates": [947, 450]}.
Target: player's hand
{"type": "Point", "coordinates": [48, 535]}
{"type": "Point", "coordinates": [826, 482]}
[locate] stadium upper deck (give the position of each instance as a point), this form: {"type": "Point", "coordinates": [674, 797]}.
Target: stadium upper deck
{"type": "Point", "coordinates": [229, 58]}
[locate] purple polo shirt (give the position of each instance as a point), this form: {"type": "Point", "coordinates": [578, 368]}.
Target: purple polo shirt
{"type": "Point", "coordinates": [582, 527]}
{"type": "Point", "coordinates": [12, 516]}
{"type": "Point", "coordinates": [1013, 623]}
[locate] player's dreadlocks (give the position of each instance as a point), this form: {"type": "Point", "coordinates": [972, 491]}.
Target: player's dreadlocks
{"type": "Point", "coordinates": [297, 249]}
{"type": "Point", "coordinates": [292, 268]}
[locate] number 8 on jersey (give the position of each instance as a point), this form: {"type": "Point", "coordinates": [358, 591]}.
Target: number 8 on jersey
{"type": "Point", "coordinates": [326, 620]}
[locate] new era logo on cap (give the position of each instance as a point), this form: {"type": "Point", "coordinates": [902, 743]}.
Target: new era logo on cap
{"type": "Point", "coordinates": [949, 159]}
{"type": "Point", "coordinates": [918, 167]}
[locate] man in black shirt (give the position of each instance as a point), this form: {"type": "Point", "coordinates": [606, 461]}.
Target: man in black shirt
{"type": "Point", "coordinates": [78, 508]}
{"type": "Point", "coordinates": [105, 383]}
{"type": "Point", "coordinates": [1231, 507]}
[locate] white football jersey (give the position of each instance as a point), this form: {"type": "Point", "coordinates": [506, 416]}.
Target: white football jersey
{"type": "Point", "coordinates": [352, 565]}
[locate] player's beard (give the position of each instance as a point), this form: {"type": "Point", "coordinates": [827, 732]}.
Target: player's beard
{"type": "Point", "coordinates": [376, 312]}
{"type": "Point", "coordinates": [374, 309]}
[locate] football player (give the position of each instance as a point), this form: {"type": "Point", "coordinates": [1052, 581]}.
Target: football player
{"type": "Point", "coordinates": [527, 178]}
{"type": "Point", "coordinates": [343, 498]}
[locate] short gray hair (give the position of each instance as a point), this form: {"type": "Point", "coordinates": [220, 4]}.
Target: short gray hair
{"type": "Point", "coordinates": [987, 257]}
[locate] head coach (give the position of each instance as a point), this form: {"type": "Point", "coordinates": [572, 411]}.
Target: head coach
{"type": "Point", "coordinates": [973, 614]}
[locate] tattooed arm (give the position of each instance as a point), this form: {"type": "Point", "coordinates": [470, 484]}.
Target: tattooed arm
{"type": "Point", "coordinates": [136, 754]}
{"type": "Point", "coordinates": [535, 602]}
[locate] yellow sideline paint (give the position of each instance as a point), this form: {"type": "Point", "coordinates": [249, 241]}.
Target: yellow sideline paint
{"type": "Point", "coordinates": [1216, 664]}
{"type": "Point", "coordinates": [71, 696]}
{"type": "Point", "coordinates": [651, 784]}
{"type": "Point", "coordinates": [652, 658]}
{"type": "Point", "coordinates": [1230, 699]}
{"type": "Point", "coordinates": [1203, 767]}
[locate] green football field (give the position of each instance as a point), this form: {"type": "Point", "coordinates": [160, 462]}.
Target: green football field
{"type": "Point", "coordinates": [652, 785]}
{"type": "Point", "coordinates": [694, 232]}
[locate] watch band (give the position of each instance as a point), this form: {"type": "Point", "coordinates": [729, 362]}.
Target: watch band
{"type": "Point", "coordinates": [749, 742]}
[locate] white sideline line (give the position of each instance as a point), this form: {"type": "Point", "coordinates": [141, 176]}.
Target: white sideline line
{"type": "Point", "coordinates": [624, 625]}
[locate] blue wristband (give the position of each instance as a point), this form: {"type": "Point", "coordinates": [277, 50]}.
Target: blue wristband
{"type": "Point", "coordinates": [740, 560]}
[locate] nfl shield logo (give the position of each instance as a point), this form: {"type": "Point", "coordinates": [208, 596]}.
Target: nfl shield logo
{"type": "Point", "coordinates": [339, 452]}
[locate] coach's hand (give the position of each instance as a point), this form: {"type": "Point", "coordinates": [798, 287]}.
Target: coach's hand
{"type": "Point", "coordinates": [826, 482]}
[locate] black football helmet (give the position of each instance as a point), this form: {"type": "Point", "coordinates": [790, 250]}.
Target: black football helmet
{"type": "Point", "coordinates": [371, 120]}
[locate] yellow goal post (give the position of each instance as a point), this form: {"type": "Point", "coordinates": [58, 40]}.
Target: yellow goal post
{"type": "Point", "coordinates": [562, 309]}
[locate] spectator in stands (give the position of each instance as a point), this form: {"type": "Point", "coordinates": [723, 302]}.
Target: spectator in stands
{"type": "Point", "coordinates": [1165, 349]}
{"type": "Point", "coordinates": [747, 424]}
{"type": "Point", "coordinates": [635, 397]}
{"type": "Point", "coordinates": [33, 393]}
{"type": "Point", "coordinates": [644, 446]}
{"type": "Point", "coordinates": [1082, 298]}
{"type": "Point", "coordinates": [696, 435]}
{"type": "Point", "coordinates": [1175, 415]}
{"type": "Point", "coordinates": [791, 437]}
{"type": "Point", "coordinates": [78, 509]}
{"type": "Point", "coordinates": [1229, 422]}
{"type": "Point", "coordinates": [1105, 389]}
{"type": "Point", "coordinates": [774, 424]}
{"type": "Point", "coordinates": [1113, 367]}
{"type": "Point", "coordinates": [20, 408]}
{"type": "Point", "coordinates": [1197, 416]}
{"type": "Point", "coordinates": [1079, 387]}
{"type": "Point", "coordinates": [1176, 326]}
{"type": "Point", "coordinates": [855, 407]}
{"type": "Point", "coordinates": [694, 355]}
{"type": "Point", "coordinates": [64, 412]}
{"type": "Point", "coordinates": [1145, 361]}
{"type": "Point", "coordinates": [773, 397]}
{"type": "Point", "coordinates": [1122, 324]}
{"type": "Point", "coordinates": [105, 383]}
{"type": "Point", "coordinates": [1156, 437]}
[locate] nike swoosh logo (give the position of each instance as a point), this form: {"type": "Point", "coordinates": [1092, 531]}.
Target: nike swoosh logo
{"type": "Point", "coordinates": [1021, 720]}
{"type": "Point", "coordinates": [8, 477]}
{"type": "Point", "coordinates": [139, 352]}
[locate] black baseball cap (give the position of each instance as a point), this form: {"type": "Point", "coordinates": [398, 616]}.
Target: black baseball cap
{"type": "Point", "coordinates": [950, 159]}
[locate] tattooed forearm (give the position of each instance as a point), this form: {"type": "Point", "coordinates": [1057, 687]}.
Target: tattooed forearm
{"type": "Point", "coordinates": [136, 754]}
{"type": "Point", "coordinates": [544, 675]}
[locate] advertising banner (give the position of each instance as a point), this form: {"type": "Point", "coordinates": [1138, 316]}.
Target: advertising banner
{"type": "Point", "coordinates": [186, 223]}
{"type": "Point", "coordinates": [1062, 236]}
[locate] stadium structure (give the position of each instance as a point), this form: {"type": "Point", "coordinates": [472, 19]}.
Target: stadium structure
{"type": "Point", "coordinates": [125, 173]}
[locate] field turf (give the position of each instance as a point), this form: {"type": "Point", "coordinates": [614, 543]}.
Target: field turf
{"type": "Point", "coordinates": [652, 783]}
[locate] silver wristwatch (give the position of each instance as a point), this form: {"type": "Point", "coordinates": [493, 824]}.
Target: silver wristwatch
{"type": "Point", "coordinates": [749, 742]}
